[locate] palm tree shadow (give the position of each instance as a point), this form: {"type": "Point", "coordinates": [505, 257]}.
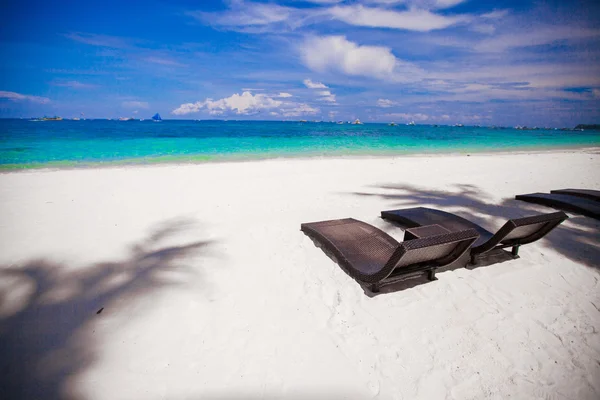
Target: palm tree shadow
{"type": "Point", "coordinates": [46, 309]}
{"type": "Point", "coordinates": [577, 238]}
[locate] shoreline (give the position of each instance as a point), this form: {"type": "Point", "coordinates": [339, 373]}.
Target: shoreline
{"type": "Point", "coordinates": [153, 162]}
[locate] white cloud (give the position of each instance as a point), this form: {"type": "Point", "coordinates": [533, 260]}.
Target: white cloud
{"type": "Point", "coordinates": [246, 14]}
{"type": "Point", "coordinates": [422, 4]}
{"type": "Point", "coordinates": [536, 37]}
{"type": "Point", "coordinates": [163, 61]}
{"type": "Point", "coordinates": [98, 40]}
{"type": "Point", "coordinates": [324, 1]}
{"type": "Point", "coordinates": [412, 117]}
{"type": "Point", "coordinates": [442, 4]}
{"type": "Point", "coordinates": [75, 85]}
{"type": "Point", "coordinates": [245, 103]}
{"type": "Point", "coordinates": [314, 85]}
{"type": "Point", "coordinates": [413, 19]}
{"type": "Point", "coordinates": [487, 29]}
{"type": "Point", "coordinates": [284, 95]}
{"type": "Point", "coordinates": [326, 95]}
{"type": "Point", "coordinates": [496, 14]}
{"type": "Point", "coordinates": [300, 109]}
{"type": "Point", "coordinates": [135, 104]}
{"type": "Point", "coordinates": [259, 17]}
{"type": "Point", "coordinates": [13, 96]}
{"type": "Point", "coordinates": [385, 103]}
{"type": "Point", "coordinates": [336, 53]}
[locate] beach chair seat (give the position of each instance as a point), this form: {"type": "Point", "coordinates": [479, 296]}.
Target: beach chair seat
{"type": "Point", "coordinates": [375, 259]}
{"type": "Point", "coordinates": [514, 233]}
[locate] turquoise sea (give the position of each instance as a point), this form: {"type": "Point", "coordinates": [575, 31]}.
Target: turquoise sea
{"type": "Point", "coordinates": [68, 143]}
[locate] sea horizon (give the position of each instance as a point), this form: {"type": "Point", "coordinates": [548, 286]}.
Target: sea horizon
{"type": "Point", "coordinates": [311, 121]}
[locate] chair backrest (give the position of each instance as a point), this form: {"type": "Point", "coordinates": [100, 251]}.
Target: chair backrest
{"type": "Point", "coordinates": [437, 251]}
{"type": "Point", "coordinates": [524, 230]}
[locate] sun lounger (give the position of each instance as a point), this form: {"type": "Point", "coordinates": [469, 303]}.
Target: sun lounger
{"type": "Point", "coordinates": [566, 202]}
{"type": "Point", "coordinates": [375, 259]}
{"type": "Point", "coordinates": [585, 193]}
{"type": "Point", "coordinates": [514, 233]}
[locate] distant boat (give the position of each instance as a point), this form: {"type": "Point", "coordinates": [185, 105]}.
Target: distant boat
{"type": "Point", "coordinates": [55, 118]}
{"type": "Point", "coordinates": [411, 123]}
{"type": "Point", "coordinates": [392, 124]}
{"type": "Point", "coordinates": [357, 122]}
{"type": "Point", "coordinates": [156, 117]}
{"type": "Point", "coordinates": [75, 119]}
{"type": "Point", "coordinates": [126, 119]}
{"type": "Point", "coordinates": [459, 125]}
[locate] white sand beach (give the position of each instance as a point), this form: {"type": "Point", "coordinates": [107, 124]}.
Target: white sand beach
{"type": "Point", "coordinates": [209, 290]}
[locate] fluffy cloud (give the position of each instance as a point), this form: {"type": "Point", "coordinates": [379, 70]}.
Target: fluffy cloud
{"type": "Point", "coordinates": [135, 104]}
{"type": "Point", "coordinates": [324, 95]}
{"type": "Point", "coordinates": [314, 85]}
{"type": "Point", "coordinates": [413, 19]}
{"type": "Point", "coordinates": [13, 96]}
{"type": "Point", "coordinates": [385, 103]}
{"type": "Point", "coordinates": [284, 95]}
{"type": "Point", "coordinates": [245, 103]}
{"type": "Point", "coordinates": [336, 53]}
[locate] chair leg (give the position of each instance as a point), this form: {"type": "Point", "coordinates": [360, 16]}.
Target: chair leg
{"type": "Point", "coordinates": [431, 275]}
{"type": "Point", "coordinates": [473, 259]}
{"type": "Point", "coordinates": [515, 251]}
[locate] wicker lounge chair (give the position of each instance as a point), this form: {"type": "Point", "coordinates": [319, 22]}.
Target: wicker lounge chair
{"type": "Point", "coordinates": [566, 202]}
{"type": "Point", "coordinates": [375, 259]}
{"type": "Point", "coordinates": [514, 233]}
{"type": "Point", "coordinates": [585, 193]}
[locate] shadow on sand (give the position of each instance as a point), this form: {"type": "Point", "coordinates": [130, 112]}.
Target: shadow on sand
{"type": "Point", "coordinates": [46, 309]}
{"type": "Point", "coordinates": [577, 238]}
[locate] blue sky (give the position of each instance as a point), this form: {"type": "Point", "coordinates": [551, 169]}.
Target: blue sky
{"type": "Point", "coordinates": [431, 61]}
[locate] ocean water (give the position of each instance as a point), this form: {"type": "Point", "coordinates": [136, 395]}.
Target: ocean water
{"type": "Point", "coordinates": [39, 144]}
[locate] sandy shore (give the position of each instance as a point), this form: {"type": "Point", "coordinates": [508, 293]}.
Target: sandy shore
{"type": "Point", "coordinates": [194, 281]}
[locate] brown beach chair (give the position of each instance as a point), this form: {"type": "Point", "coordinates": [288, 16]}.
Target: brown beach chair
{"type": "Point", "coordinates": [375, 259]}
{"type": "Point", "coordinates": [514, 233]}
{"type": "Point", "coordinates": [567, 202]}
{"type": "Point", "coordinates": [585, 193]}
